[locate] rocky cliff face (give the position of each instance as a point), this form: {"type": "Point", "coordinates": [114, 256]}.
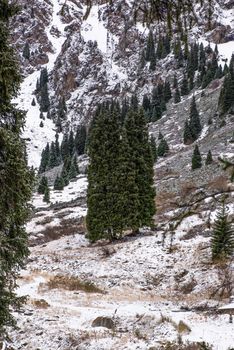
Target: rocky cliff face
{"type": "Point", "coordinates": [99, 58]}
{"type": "Point", "coordinates": [94, 59]}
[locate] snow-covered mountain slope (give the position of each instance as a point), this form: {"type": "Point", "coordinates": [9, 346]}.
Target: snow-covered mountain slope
{"type": "Point", "coordinates": [95, 59]}
{"type": "Point", "coordinates": [152, 281]}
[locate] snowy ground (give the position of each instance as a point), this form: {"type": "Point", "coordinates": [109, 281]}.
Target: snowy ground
{"type": "Point", "coordinates": [149, 316]}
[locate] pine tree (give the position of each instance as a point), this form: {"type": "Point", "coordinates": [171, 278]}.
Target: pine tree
{"type": "Point", "coordinates": [194, 120]}
{"type": "Point", "coordinates": [71, 143]}
{"type": "Point", "coordinates": [146, 102]}
{"type": "Point", "coordinates": [80, 140]}
{"type": "Point", "coordinates": [103, 148]}
{"type": "Point", "coordinates": [150, 48]}
{"type": "Point", "coordinates": [46, 197]}
{"type": "Point", "coordinates": [74, 170]}
{"type": "Point", "coordinates": [208, 77]}
{"type": "Point", "coordinates": [175, 82]}
{"type": "Point", "coordinates": [219, 72]}
{"type": "Point", "coordinates": [43, 77]}
{"type": "Point", "coordinates": [196, 159]}
{"type": "Point", "coordinates": [44, 98]}
{"type": "Point", "coordinates": [42, 90]}
{"type": "Point", "coordinates": [43, 184]}
{"type": "Point", "coordinates": [65, 151]}
{"type": "Point", "coordinates": [26, 51]}
{"type": "Point", "coordinates": [33, 103]}
{"type": "Point", "coordinates": [154, 148]}
{"type": "Point", "coordinates": [160, 136]}
{"type": "Point", "coordinates": [209, 159]}
{"type": "Point", "coordinates": [59, 183]}
{"type": "Point", "coordinates": [152, 65]}
{"type": "Point", "coordinates": [45, 156]}
{"type": "Point", "coordinates": [187, 136]}
{"type": "Point", "coordinates": [184, 90]}
{"type": "Point", "coordinates": [128, 191]}
{"type": "Point", "coordinates": [53, 157]}
{"type": "Point", "coordinates": [137, 137]}
{"type": "Point", "coordinates": [15, 177]}
{"type": "Point", "coordinates": [177, 97]}
{"type": "Point", "coordinates": [167, 91]}
{"type": "Point", "coordinates": [57, 150]}
{"type": "Point", "coordinates": [65, 174]}
{"type": "Point", "coordinates": [120, 191]}
{"type": "Point", "coordinates": [163, 148]}
{"type": "Point", "coordinates": [222, 243]}
{"type": "Point", "coordinates": [226, 101]}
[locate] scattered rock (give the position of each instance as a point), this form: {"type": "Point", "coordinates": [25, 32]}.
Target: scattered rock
{"type": "Point", "coordinates": [103, 321]}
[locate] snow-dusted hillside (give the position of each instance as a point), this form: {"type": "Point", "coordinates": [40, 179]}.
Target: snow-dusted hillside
{"type": "Point", "coordinates": [148, 283]}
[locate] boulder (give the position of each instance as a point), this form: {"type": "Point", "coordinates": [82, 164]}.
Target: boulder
{"type": "Point", "coordinates": [103, 321]}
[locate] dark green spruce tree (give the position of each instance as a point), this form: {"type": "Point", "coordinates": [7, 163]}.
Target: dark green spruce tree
{"type": "Point", "coordinates": [154, 148]}
{"type": "Point", "coordinates": [226, 100]}
{"type": "Point", "coordinates": [192, 128]}
{"type": "Point", "coordinates": [194, 120]}
{"type": "Point", "coordinates": [209, 158]}
{"type": "Point", "coordinates": [163, 148]}
{"type": "Point", "coordinates": [46, 197]}
{"type": "Point", "coordinates": [45, 158]}
{"type": "Point", "coordinates": [177, 97]}
{"type": "Point", "coordinates": [222, 242]}
{"type": "Point", "coordinates": [196, 159]}
{"type": "Point", "coordinates": [80, 139]}
{"type": "Point", "coordinates": [140, 147]}
{"type": "Point", "coordinates": [15, 178]}
{"type": "Point", "coordinates": [103, 219]}
{"type": "Point", "coordinates": [43, 184]}
{"type": "Point", "coordinates": [59, 183]}
{"type": "Point", "coordinates": [120, 174]}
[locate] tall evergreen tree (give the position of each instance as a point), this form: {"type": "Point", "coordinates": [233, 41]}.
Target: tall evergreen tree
{"type": "Point", "coordinates": [43, 184]}
{"type": "Point", "coordinates": [45, 157]}
{"type": "Point", "coordinates": [137, 137]}
{"type": "Point", "coordinates": [120, 191]}
{"type": "Point", "coordinates": [65, 151]}
{"type": "Point", "coordinates": [196, 159]}
{"type": "Point", "coordinates": [177, 97]}
{"type": "Point", "coordinates": [184, 90]}
{"type": "Point", "coordinates": [74, 170]}
{"type": "Point", "coordinates": [53, 157]}
{"type": "Point", "coordinates": [46, 197]}
{"type": "Point", "coordinates": [154, 148]}
{"type": "Point", "coordinates": [15, 177]}
{"type": "Point", "coordinates": [80, 140]}
{"type": "Point", "coordinates": [71, 143]}
{"type": "Point", "coordinates": [150, 48]}
{"type": "Point", "coordinates": [175, 82]}
{"type": "Point", "coordinates": [222, 243]}
{"type": "Point", "coordinates": [103, 148]}
{"type": "Point", "coordinates": [187, 136]}
{"type": "Point", "coordinates": [226, 100]}
{"type": "Point", "coordinates": [59, 183]}
{"type": "Point", "coordinates": [42, 90]}
{"type": "Point", "coordinates": [194, 120]}
{"type": "Point", "coordinates": [44, 98]}
{"type": "Point", "coordinates": [209, 159]}
{"type": "Point", "coordinates": [163, 148]}
{"type": "Point", "coordinates": [26, 51]}
{"type": "Point", "coordinates": [57, 150]}
{"type": "Point", "coordinates": [167, 91]}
